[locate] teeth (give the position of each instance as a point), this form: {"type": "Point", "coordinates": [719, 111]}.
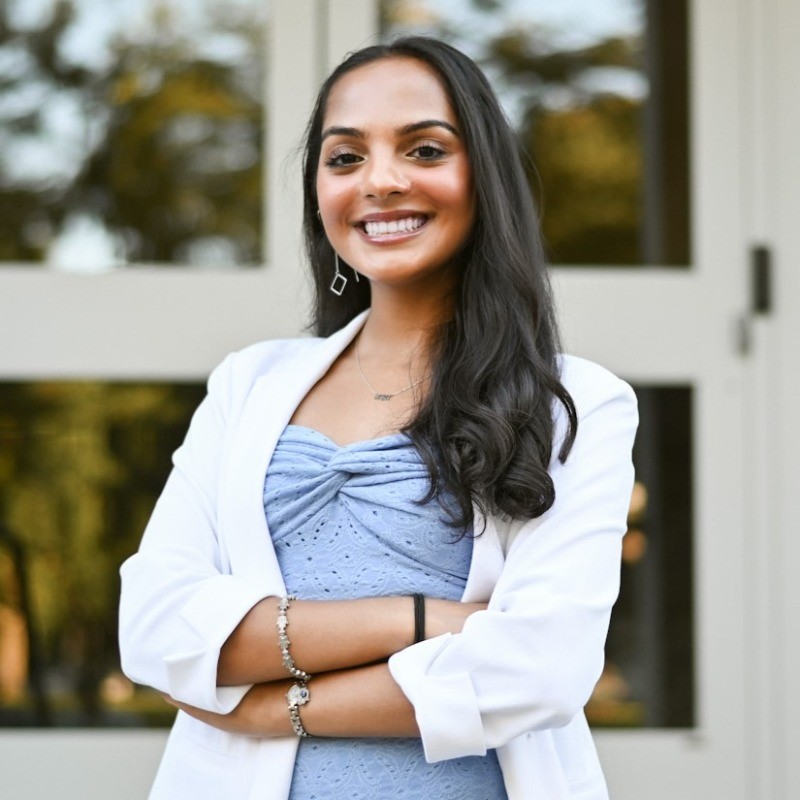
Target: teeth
{"type": "Point", "coordinates": [395, 226]}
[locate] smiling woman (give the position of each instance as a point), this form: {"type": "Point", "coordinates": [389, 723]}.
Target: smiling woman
{"type": "Point", "coordinates": [356, 599]}
{"type": "Point", "coordinates": [394, 180]}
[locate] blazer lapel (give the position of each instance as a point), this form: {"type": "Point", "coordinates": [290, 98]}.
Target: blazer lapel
{"type": "Point", "coordinates": [269, 406]}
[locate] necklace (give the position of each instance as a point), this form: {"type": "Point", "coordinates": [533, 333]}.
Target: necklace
{"type": "Point", "coordinates": [383, 396]}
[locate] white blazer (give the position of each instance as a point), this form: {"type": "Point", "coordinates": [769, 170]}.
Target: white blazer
{"type": "Point", "coordinates": [515, 679]}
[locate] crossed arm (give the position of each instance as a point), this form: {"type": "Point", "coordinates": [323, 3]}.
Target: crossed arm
{"type": "Point", "coordinates": [344, 645]}
{"type": "Point", "coordinates": [190, 628]}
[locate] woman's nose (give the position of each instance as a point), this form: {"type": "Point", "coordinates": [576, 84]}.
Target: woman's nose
{"type": "Point", "coordinates": [383, 176]}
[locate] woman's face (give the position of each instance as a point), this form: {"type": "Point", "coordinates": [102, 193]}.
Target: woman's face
{"type": "Point", "coordinates": [394, 183]}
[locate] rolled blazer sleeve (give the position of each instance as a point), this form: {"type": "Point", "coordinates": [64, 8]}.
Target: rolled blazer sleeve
{"type": "Point", "coordinates": [531, 660]}
{"type": "Point", "coordinates": [178, 604]}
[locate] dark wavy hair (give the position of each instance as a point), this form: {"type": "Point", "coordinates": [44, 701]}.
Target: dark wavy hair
{"type": "Point", "coordinates": [486, 427]}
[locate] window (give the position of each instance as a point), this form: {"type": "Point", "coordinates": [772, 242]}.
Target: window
{"type": "Point", "coordinates": [132, 133]}
{"type": "Point", "coordinates": [81, 466]}
{"type": "Point", "coordinates": [648, 680]}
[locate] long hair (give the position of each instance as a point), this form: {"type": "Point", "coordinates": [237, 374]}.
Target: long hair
{"type": "Point", "coordinates": [486, 428]}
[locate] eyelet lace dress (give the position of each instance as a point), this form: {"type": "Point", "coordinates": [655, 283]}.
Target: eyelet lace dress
{"type": "Point", "coordinates": [345, 523]}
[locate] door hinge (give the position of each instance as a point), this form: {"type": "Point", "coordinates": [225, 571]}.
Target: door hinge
{"type": "Point", "coordinates": [761, 279]}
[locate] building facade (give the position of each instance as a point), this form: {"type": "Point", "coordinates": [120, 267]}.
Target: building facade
{"type": "Point", "coordinates": [698, 313]}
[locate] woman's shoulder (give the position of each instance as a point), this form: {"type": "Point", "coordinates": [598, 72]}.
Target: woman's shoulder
{"type": "Point", "coordinates": [259, 357]}
{"type": "Point", "coordinates": [591, 384]}
{"type": "Point", "coordinates": [241, 369]}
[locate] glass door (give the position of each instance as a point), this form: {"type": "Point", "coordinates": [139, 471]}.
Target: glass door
{"type": "Point", "coordinates": [635, 113]}
{"type": "Point", "coordinates": [632, 112]}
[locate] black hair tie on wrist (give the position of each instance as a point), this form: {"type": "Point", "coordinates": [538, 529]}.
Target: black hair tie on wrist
{"type": "Point", "coordinates": [419, 618]}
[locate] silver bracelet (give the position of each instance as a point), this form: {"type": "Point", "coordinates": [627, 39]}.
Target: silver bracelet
{"type": "Point", "coordinates": [283, 640]}
{"type": "Point", "coordinates": [298, 695]}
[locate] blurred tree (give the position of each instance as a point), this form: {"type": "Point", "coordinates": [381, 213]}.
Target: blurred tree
{"type": "Point", "coordinates": [179, 168]}
{"type": "Point", "coordinates": [72, 527]}
{"type": "Point", "coordinates": [586, 143]}
{"type": "Point", "coordinates": [31, 208]}
{"type": "Point", "coordinates": [166, 146]}
{"type": "Point", "coordinates": [590, 173]}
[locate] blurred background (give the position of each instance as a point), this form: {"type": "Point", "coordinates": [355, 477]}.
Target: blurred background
{"type": "Point", "coordinates": [149, 224]}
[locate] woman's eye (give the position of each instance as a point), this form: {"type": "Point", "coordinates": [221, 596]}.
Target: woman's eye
{"type": "Point", "coordinates": [342, 160]}
{"type": "Point", "coordinates": [428, 152]}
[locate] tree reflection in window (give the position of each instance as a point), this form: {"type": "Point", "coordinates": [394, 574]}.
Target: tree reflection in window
{"type": "Point", "coordinates": [134, 135]}
{"type": "Point", "coordinates": [81, 465]}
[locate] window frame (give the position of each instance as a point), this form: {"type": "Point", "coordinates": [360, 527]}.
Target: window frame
{"type": "Point", "coordinates": [147, 322]}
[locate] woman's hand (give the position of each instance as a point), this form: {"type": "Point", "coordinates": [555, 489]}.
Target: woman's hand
{"type": "Point", "coordinates": [262, 712]}
{"type": "Point", "coordinates": [447, 616]}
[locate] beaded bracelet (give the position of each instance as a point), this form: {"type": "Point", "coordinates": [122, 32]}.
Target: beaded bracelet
{"type": "Point", "coordinates": [298, 695]}
{"type": "Point", "coordinates": [283, 640]}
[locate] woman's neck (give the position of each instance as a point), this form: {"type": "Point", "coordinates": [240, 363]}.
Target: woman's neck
{"type": "Point", "coordinates": [402, 323]}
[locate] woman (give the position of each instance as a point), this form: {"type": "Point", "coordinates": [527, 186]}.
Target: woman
{"type": "Point", "coordinates": [431, 455]}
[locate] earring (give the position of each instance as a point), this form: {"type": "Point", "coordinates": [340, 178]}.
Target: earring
{"type": "Point", "coordinates": [339, 281]}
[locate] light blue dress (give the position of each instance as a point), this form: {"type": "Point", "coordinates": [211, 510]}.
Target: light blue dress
{"type": "Point", "coordinates": [346, 523]}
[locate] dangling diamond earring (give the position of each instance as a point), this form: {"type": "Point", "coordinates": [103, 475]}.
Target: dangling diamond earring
{"type": "Point", "coordinates": [339, 282]}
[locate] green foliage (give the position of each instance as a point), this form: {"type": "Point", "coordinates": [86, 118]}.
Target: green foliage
{"type": "Point", "coordinates": [81, 465]}
{"type": "Point", "coordinates": [170, 157]}
{"type": "Point", "coordinates": [590, 167]}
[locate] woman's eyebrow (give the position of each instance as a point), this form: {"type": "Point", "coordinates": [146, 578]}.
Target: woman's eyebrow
{"type": "Point", "coordinates": [428, 123]}
{"type": "Point", "coordinates": [357, 133]}
{"type": "Point", "coordinates": [338, 130]}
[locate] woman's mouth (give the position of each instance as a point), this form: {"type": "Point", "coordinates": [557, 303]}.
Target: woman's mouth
{"type": "Point", "coordinates": [379, 228]}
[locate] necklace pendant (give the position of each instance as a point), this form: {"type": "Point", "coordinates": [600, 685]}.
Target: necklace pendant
{"type": "Point", "coordinates": [382, 397]}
